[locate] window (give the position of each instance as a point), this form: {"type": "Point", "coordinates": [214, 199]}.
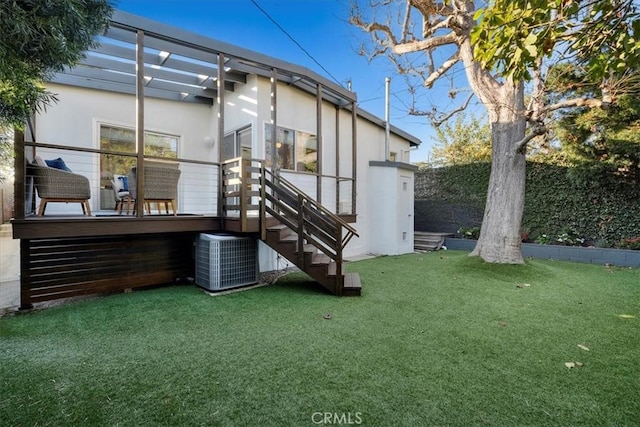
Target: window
{"type": "Point", "coordinates": [121, 139]}
{"type": "Point", "coordinates": [294, 150]}
{"type": "Point", "coordinates": [237, 144]}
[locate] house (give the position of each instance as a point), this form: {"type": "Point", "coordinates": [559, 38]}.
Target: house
{"type": "Point", "coordinates": [264, 148]}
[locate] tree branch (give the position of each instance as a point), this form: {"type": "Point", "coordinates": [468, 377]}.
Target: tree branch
{"type": "Point", "coordinates": [427, 44]}
{"type": "Point", "coordinates": [536, 130]}
{"type": "Point", "coordinates": [575, 102]}
{"type": "Point", "coordinates": [446, 66]}
{"type": "Point", "coordinates": [453, 112]}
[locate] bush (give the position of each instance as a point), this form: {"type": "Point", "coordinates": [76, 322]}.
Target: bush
{"type": "Point", "coordinates": [469, 232]}
{"type": "Point", "coordinates": [603, 212]}
{"type": "Point", "coordinates": [633, 244]}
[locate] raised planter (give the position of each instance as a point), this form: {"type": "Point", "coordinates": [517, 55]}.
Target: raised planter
{"type": "Point", "coordinates": [619, 257]}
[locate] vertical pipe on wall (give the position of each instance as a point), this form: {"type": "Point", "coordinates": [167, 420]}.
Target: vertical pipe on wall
{"type": "Point", "coordinates": [387, 85]}
{"type": "Point", "coordinates": [220, 99]}
{"type": "Point", "coordinates": [354, 155]}
{"type": "Point", "coordinates": [140, 122]}
{"type": "Point", "coordinates": [319, 139]}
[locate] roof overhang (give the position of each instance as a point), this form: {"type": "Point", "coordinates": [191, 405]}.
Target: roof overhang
{"type": "Point", "coordinates": [181, 65]}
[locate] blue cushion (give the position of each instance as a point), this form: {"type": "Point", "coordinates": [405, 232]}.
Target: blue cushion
{"type": "Point", "coordinates": [125, 183]}
{"type": "Point", "coordinates": [58, 164]}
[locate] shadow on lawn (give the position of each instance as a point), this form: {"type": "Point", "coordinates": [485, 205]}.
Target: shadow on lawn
{"type": "Point", "coordinates": [299, 283]}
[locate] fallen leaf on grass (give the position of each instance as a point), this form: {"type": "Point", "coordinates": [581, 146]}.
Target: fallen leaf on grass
{"type": "Point", "coordinates": [524, 285]}
{"type": "Point", "coordinates": [584, 347]}
{"type": "Point", "coordinates": [626, 316]}
{"type": "Point", "coordinates": [572, 365]}
{"type": "Point", "coordinates": [327, 316]}
{"type": "Point", "coordinates": [503, 324]}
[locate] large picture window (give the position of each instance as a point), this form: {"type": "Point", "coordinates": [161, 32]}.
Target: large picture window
{"type": "Point", "coordinates": [294, 150]}
{"type": "Point", "coordinates": [114, 138]}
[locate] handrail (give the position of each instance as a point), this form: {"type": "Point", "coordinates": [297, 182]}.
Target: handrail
{"type": "Point", "coordinates": [316, 203]}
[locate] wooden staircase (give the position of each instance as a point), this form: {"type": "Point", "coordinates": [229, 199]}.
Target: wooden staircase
{"type": "Point", "coordinates": [305, 232]}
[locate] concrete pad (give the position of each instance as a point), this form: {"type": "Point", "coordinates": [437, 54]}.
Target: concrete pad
{"type": "Point", "coordinates": [9, 274]}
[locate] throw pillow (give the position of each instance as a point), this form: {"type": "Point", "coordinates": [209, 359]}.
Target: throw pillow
{"type": "Point", "coordinates": [125, 183]}
{"type": "Point", "coordinates": [58, 164]}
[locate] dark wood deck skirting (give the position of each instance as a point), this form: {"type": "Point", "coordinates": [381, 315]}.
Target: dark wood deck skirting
{"type": "Point", "coordinates": [50, 227]}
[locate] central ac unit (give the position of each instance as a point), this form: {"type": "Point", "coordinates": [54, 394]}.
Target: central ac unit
{"type": "Point", "coordinates": [225, 262]}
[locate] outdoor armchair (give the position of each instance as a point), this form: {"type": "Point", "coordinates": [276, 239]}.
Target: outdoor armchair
{"type": "Point", "coordinates": [160, 186]}
{"type": "Point", "coordinates": [56, 185]}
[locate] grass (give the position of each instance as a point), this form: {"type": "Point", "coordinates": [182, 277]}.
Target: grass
{"type": "Point", "coordinates": [435, 339]}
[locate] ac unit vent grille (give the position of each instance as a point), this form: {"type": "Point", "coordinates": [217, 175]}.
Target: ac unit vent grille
{"type": "Point", "coordinates": [224, 262]}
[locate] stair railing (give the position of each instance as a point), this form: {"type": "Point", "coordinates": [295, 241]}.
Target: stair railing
{"type": "Point", "coordinates": [250, 189]}
{"type": "Point", "coordinates": [313, 223]}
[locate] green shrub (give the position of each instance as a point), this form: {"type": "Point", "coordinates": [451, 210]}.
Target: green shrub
{"type": "Point", "coordinates": [633, 243]}
{"type": "Point", "coordinates": [557, 202]}
{"type": "Point", "coordinates": [469, 232]}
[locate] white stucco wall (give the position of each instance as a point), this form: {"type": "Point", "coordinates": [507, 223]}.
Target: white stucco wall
{"type": "Point", "coordinates": [75, 119]}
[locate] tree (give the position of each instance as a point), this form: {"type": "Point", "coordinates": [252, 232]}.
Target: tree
{"type": "Point", "coordinates": [599, 144]}
{"type": "Point", "coordinates": [39, 38]}
{"type": "Point", "coordinates": [466, 140]}
{"type": "Point", "coordinates": [6, 153]}
{"type": "Point", "coordinates": [500, 48]}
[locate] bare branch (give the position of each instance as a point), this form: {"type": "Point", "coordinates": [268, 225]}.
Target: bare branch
{"type": "Point", "coordinates": [407, 19]}
{"type": "Point", "coordinates": [436, 25]}
{"type": "Point", "coordinates": [446, 66]}
{"type": "Point", "coordinates": [453, 112]}
{"type": "Point", "coordinates": [427, 44]}
{"type": "Point", "coordinates": [574, 102]}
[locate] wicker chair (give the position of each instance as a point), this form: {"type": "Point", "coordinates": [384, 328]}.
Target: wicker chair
{"type": "Point", "coordinates": [160, 186]}
{"type": "Point", "coordinates": [56, 185]}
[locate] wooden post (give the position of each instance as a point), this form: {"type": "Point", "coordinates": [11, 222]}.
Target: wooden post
{"type": "Point", "coordinates": [220, 86]}
{"type": "Point", "coordinates": [319, 141]}
{"type": "Point", "coordinates": [337, 160]}
{"type": "Point", "coordinates": [243, 193]}
{"type": "Point", "coordinates": [263, 201]}
{"type": "Point", "coordinates": [274, 118]}
{"type": "Point", "coordinates": [300, 230]}
{"type": "Point", "coordinates": [20, 168]}
{"type": "Point", "coordinates": [140, 123]}
{"type": "Point", "coordinates": [339, 276]}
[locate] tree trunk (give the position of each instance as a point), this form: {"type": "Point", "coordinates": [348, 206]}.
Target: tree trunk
{"type": "Point", "coordinates": [500, 240]}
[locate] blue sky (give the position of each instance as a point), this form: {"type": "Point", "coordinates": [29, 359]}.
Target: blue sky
{"type": "Point", "coordinates": [319, 26]}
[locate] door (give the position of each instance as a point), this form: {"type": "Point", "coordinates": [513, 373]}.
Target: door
{"type": "Point", "coordinates": [405, 212]}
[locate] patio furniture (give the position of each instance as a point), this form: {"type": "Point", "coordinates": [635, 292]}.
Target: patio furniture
{"type": "Point", "coordinates": [121, 193]}
{"type": "Point", "coordinates": [160, 187]}
{"type": "Point", "coordinates": [57, 185]}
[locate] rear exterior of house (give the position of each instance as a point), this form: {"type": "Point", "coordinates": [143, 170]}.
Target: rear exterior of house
{"type": "Point", "coordinates": [265, 149]}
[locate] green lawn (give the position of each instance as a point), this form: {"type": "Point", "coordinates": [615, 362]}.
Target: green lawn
{"type": "Point", "coordinates": [435, 339]}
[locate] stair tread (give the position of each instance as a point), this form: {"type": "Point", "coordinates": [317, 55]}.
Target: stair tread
{"type": "Point", "coordinates": [352, 280]}
{"type": "Point", "coordinates": [277, 227]}
{"type": "Point", "coordinates": [320, 258]}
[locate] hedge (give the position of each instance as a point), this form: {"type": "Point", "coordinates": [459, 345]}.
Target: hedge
{"type": "Point", "coordinates": [558, 202]}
